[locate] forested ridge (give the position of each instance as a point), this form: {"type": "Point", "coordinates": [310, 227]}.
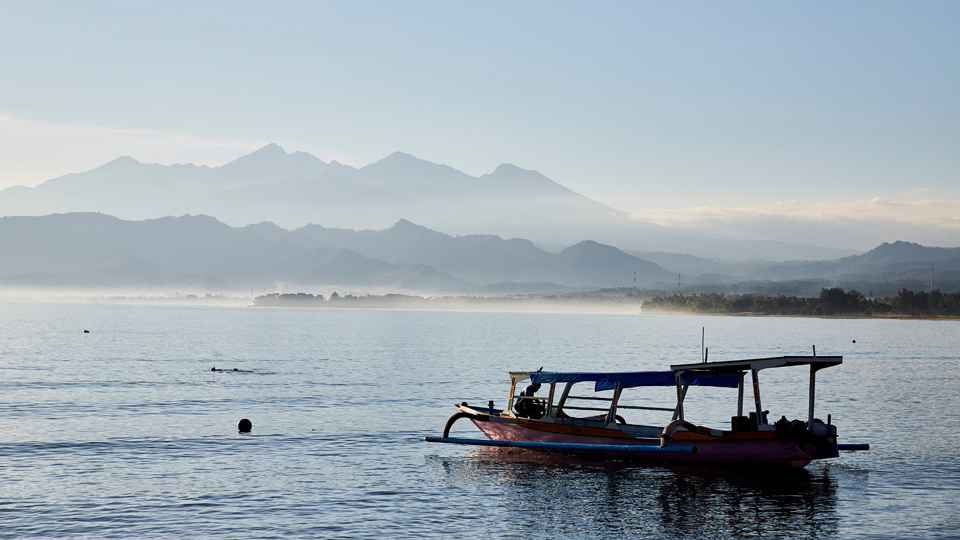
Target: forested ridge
{"type": "Point", "coordinates": [833, 301]}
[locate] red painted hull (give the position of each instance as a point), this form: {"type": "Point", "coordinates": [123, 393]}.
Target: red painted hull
{"type": "Point", "coordinates": [746, 449]}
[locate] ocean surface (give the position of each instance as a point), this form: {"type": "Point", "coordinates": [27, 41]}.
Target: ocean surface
{"type": "Point", "coordinates": [125, 432]}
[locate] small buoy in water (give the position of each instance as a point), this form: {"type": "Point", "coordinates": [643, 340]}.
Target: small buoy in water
{"type": "Point", "coordinates": [245, 426]}
{"type": "Point", "coordinates": [235, 369]}
{"type": "Point", "coordinates": [214, 368]}
{"type": "Point", "coordinates": [86, 331]}
{"type": "Point", "coordinates": [854, 341]}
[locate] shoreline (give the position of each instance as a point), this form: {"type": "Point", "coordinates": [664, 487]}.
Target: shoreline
{"type": "Point", "coordinates": [799, 316]}
{"type": "Point", "coordinates": [587, 304]}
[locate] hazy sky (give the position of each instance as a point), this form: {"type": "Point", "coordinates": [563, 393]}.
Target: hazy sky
{"type": "Point", "coordinates": [681, 112]}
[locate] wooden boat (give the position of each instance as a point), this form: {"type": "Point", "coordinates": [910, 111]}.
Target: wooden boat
{"type": "Point", "coordinates": [556, 422]}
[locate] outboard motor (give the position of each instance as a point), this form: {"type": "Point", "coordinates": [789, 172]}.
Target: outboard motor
{"type": "Point", "coordinates": [792, 430]}
{"type": "Point", "coordinates": [818, 445]}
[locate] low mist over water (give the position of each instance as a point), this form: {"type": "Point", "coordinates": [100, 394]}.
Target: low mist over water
{"type": "Point", "coordinates": [126, 431]}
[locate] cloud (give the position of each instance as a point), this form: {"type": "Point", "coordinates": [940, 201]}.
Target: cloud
{"type": "Point", "coordinates": [932, 212]}
{"type": "Point", "coordinates": [33, 151]}
{"type": "Point", "coordinates": [860, 224]}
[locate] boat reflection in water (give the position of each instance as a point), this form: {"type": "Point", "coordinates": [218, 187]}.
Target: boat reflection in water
{"type": "Point", "coordinates": [542, 496]}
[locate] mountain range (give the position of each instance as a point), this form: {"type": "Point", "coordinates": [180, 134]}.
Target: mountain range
{"type": "Point", "coordinates": [296, 189]}
{"type": "Point", "coordinates": [197, 254]}
{"type": "Point", "coordinates": [201, 254]}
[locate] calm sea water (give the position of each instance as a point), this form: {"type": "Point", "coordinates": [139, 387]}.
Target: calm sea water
{"type": "Point", "coordinates": [125, 432]}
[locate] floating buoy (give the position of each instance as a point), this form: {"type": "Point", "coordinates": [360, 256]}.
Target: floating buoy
{"type": "Point", "coordinates": [854, 341]}
{"type": "Point", "coordinates": [214, 368]}
{"type": "Point", "coordinates": [245, 426]}
{"type": "Point", "coordinates": [86, 331]}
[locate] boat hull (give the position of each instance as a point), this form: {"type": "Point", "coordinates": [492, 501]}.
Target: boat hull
{"type": "Point", "coordinates": [738, 449]}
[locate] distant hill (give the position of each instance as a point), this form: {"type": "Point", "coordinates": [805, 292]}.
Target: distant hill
{"type": "Point", "coordinates": [296, 189]}
{"type": "Point", "coordinates": [904, 262]}
{"type": "Point", "coordinates": [886, 262]}
{"type": "Point", "coordinates": [690, 266]}
{"type": "Point", "coordinates": [488, 259]}
{"type": "Point", "coordinates": [590, 262]}
{"type": "Point", "coordinates": [904, 252]}
{"type": "Point", "coordinates": [196, 253]}
{"type": "Point", "coordinates": [481, 259]}
{"type": "Point", "coordinates": [200, 254]}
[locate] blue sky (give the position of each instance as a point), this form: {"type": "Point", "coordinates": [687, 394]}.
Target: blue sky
{"type": "Point", "coordinates": [649, 107]}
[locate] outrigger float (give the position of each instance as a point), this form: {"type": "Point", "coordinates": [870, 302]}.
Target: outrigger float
{"type": "Point", "coordinates": [555, 422]}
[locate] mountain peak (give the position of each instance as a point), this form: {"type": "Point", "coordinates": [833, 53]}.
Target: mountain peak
{"type": "Point", "coordinates": [121, 162]}
{"type": "Point", "coordinates": [273, 156]}
{"type": "Point", "coordinates": [401, 160]}
{"type": "Point", "coordinates": [402, 225]}
{"type": "Point", "coordinates": [403, 168]}
{"type": "Point", "coordinates": [588, 246]}
{"type": "Point", "coordinates": [272, 148]}
{"type": "Point", "coordinates": [269, 154]}
{"type": "Point", "coordinates": [400, 156]}
{"type": "Point", "coordinates": [901, 251]}
{"type": "Point", "coordinates": [519, 180]}
{"type": "Point", "coordinates": [407, 231]}
{"type": "Point", "coordinates": [508, 168]}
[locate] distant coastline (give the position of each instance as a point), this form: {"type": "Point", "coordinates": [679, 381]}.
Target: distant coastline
{"type": "Point", "coordinates": [603, 301]}
{"type": "Point", "coordinates": [833, 302]}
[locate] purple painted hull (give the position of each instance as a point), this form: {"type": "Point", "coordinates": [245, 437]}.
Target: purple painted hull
{"type": "Point", "coordinates": [769, 451]}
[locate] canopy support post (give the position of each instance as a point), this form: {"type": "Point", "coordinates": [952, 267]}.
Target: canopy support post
{"type": "Point", "coordinates": [681, 393]}
{"type": "Point", "coordinates": [813, 383]}
{"type": "Point", "coordinates": [553, 387]}
{"type": "Point", "coordinates": [740, 396]}
{"type": "Point", "coordinates": [756, 396]}
{"type": "Point", "coordinates": [515, 377]}
{"type": "Point", "coordinates": [612, 413]}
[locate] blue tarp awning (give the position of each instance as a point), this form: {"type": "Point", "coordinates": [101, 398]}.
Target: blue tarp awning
{"type": "Point", "coordinates": [630, 379]}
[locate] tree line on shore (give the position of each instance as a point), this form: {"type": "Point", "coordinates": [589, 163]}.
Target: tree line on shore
{"type": "Point", "coordinates": [833, 301]}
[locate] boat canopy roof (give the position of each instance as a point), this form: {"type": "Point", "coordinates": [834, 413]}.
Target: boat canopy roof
{"type": "Point", "coordinates": [630, 379]}
{"type": "Point", "coordinates": [737, 366]}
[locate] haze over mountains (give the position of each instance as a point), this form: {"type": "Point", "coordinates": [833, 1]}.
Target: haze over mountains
{"type": "Point", "coordinates": [91, 252]}
{"type": "Point", "coordinates": [201, 254]}
{"type": "Point", "coordinates": [291, 223]}
{"type": "Point", "coordinates": [293, 190]}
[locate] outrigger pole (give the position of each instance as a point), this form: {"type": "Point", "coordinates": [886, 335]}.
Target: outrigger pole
{"type": "Point", "coordinates": [569, 447]}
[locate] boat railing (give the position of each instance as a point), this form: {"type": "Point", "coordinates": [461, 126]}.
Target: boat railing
{"type": "Point", "coordinates": [536, 398]}
{"type": "Point", "coordinates": [637, 407]}
{"type": "Point", "coordinates": [587, 398]}
{"type": "Point", "coordinates": [591, 398]}
{"type": "Point", "coordinates": [565, 407]}
{"type": "Point", "coordinates": [633, 407]}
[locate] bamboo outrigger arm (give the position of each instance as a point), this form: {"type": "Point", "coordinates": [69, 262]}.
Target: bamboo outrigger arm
{"type": "Point", "coordinates": [570, 447]}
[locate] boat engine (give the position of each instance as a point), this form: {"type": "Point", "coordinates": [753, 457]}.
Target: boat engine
{"type": "Point", "coordinates": [792, 430]}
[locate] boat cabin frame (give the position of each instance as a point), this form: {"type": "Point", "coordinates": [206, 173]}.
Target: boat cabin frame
{"type": "Point", "coordinates": [730, 374]}
{"type": "Point", "coordinates": [753, 367]}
